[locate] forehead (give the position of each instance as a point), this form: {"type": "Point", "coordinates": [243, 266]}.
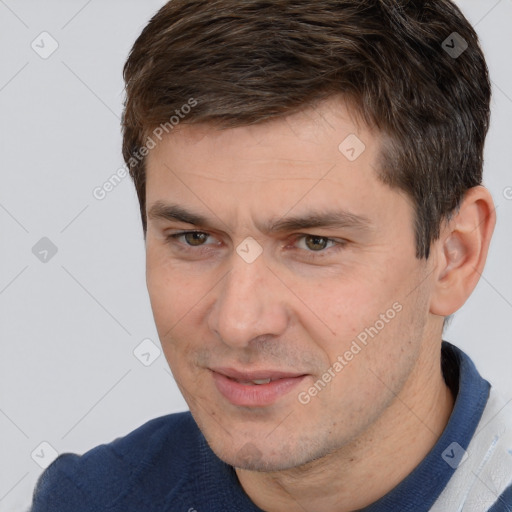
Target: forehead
{"type": "Point", "coordinates": [322, 155]}
{"type": "Point", "coordinates": [288, 147]}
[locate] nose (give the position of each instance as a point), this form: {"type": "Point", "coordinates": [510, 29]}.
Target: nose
{"type": "Point", "coordinates": [249, 304]}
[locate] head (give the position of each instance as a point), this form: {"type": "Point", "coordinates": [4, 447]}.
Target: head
{"type": "Point", "coordinates": [245, 117]}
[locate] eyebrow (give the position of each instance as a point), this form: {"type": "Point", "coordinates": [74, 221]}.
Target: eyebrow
{"type": "Point", "coordinates": [316, 219]}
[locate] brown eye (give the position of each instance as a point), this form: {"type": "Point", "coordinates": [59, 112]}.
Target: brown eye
{"type": "Point", "coordinates": [195, 238]}
{"type": "Point", "coordinates": [316, 243]}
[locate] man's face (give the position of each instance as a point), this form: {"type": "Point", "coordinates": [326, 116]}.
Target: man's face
{"type": "Point", "coordinates": [289, 302]}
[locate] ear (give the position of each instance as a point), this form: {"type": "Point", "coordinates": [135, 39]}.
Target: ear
{"type": "Point", "coordinates": [461, 251]}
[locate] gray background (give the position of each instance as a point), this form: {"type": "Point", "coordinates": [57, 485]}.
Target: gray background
{"type": "Point", "coordinates": [69, 325]}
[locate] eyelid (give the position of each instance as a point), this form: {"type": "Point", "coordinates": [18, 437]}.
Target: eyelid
{"type": "Point", "coordinates": [337, 244]}
{"type": "Point", "coordinates": [329, 239]}
{"type": "Point", "coordinates": [179, 234]}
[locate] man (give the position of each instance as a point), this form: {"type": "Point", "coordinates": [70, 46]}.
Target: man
{"type": "Point", "coordinates": [309, 176]}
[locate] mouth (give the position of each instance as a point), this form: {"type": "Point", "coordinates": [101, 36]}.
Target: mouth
{"type": "Point", "coordinates": [255, 388]}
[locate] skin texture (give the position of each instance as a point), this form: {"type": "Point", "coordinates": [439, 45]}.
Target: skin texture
{"type": "Point", "coordinates": [296, 308]}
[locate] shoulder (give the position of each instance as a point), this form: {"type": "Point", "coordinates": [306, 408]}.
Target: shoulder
{"type": "Point", "coordinates": [491, 451]}
{"type": "Point", "coordinates": [483, 476]}
{"type": "Point", "coordinates": [103, 477]}
{"type": "Point", "coordinates": [480, 431]}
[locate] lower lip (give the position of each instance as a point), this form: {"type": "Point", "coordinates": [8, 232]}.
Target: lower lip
{"type": "Point", "coordinates": [254, 395]}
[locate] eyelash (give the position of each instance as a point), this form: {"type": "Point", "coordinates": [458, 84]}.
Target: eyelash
{"type": "Point", "coordinates": [338, 244]}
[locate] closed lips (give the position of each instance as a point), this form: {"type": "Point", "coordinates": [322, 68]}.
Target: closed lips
{"type": "Point", "coordinates": [255, 377]}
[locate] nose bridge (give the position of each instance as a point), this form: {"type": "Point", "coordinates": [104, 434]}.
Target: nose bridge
{"type": "Point", "coordinates": [245, 306]}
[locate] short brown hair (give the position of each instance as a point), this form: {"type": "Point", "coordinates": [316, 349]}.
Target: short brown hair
{"type": "Point", "coordinates": [247, 61]}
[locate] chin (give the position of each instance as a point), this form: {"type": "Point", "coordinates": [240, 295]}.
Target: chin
{"type": "Point", "coordinates": [254, 455]}
{"type": "Point", "coordinates": [262, 463]}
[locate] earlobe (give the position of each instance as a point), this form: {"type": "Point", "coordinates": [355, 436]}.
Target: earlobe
{"type": "Point", "coordinates": [462, 251]}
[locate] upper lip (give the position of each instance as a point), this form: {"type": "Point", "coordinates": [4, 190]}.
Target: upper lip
{"type": "Point", "coordinates": [256, 374]}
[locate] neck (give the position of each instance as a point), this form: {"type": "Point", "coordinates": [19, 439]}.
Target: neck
{"type": "Point", "coordinates": [403, 434]}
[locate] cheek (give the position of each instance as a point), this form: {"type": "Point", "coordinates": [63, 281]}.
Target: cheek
{"type": "Point", "coordinates": [175, 301]}
{"type": "Point", "coordinates": [361, 319]}
{"type": "Point", "coordinates": [173, 294]}
{"type": "Point", "coordinates": [337, 309]}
